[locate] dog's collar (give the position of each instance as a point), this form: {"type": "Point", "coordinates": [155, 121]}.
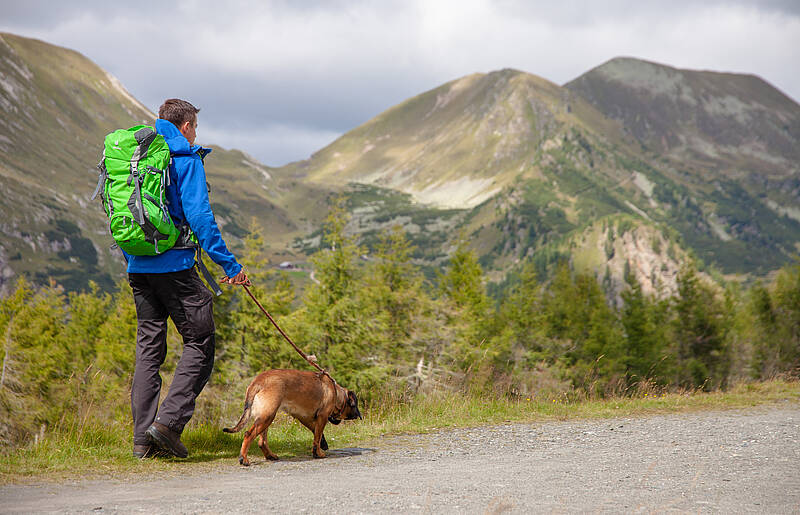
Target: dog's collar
{"type": "Point", "coordinates": [337, 409]}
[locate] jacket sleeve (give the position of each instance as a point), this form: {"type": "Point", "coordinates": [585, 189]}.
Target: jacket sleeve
{"type": "Point", "coordinates": [197, 208]}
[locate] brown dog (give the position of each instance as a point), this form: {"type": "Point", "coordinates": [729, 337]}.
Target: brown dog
{"type": "Point", "coordinates": [312, 398]}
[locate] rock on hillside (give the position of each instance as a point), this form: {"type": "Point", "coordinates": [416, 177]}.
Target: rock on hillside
{"type": "Point", "coordinates": [618, 246]}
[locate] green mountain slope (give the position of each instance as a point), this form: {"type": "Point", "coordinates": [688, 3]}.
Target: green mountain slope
{"type": "Point", "coordinates": [728, 143]}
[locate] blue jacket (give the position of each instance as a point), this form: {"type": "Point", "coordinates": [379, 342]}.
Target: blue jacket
{"type": "Point", "coordinates": [187, 195]}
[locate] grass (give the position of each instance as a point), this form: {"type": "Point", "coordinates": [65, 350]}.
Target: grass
{"type": "Point", "coordinates": [103, 450]}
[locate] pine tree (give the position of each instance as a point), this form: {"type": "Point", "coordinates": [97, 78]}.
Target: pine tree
{"type": "Point", "coordinates": [394, 286]}
{"type": "Point", "coordinates": [339, 324]}
{"type": "Point", "coordinates": [522, 322]}
{"type": "Point", "coordinates": [462, 286]}
{"type": "Point", "coordinates": [700, 327]}
{"type": "Point", "coordinates": [248, 343]}
{"type": "Point", "coordinates": [587, 339]}
{"type": "Point", "coordinates": [776, 331]}
{"type": "Point", "coordinates": [35, 358]}
{"type": "Point", "coordinates": [643, 322]}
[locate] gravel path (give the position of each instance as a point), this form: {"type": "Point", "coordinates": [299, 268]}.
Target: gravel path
{"type": "Point", "coordinates": [725, 461]}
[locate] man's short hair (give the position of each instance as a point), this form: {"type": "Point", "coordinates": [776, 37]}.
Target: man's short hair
{"type": "Point", "coordinates": [177, 111]}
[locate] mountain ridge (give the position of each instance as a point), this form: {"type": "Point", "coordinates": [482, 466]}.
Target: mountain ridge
{"type": "Point", "coordinates": [734, 120]}
{"type": "Point", "coordinates": [405, 147]}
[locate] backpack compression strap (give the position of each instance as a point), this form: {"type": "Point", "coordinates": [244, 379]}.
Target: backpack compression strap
{"type": "Point", "coordinates": [144, 137]}
{"type": "Point", "coordinates": [185, 242]}
{"type": "Point", "coordinates": [212, 282]}
{"type": "Point", "coordinates": [101, 181]}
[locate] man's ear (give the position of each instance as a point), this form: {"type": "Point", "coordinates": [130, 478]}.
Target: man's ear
{"type": "Point", "coordinates": [185, 126]}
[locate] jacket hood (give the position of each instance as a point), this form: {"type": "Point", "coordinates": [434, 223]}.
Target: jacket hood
{"type": "Point", "coordinates": [177, 142]}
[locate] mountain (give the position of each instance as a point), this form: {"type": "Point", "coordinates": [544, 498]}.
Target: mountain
{"type": "Point", "coordinates": [523, 167]}
{"type": "Point", "coordinates": [56, 107]}
{"type": "Point", "coordinates": [729, 123]}
{"type": "Point", "coordinates": [630, 168]}
{"type": "Point", "coordinates": [731, 140]}
{"type": "Point", "coordinates": [459, 144]}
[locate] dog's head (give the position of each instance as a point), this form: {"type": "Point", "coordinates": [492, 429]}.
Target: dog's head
{"type": "Point", "coordinates": [349, 409]}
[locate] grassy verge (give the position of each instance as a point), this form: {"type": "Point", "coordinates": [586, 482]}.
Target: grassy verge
{"type": "Point", "coordinates": [103, 450]}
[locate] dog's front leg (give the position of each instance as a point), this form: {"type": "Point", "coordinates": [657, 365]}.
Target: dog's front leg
{"type": "Point", "coordinates": [319, 427]}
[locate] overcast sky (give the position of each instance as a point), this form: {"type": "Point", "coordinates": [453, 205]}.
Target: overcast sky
{"type": "Point", "coordinates": [282, 79]}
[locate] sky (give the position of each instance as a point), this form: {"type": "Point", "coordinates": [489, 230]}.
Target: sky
{"type": "Point", "coordinates": [282, 79]}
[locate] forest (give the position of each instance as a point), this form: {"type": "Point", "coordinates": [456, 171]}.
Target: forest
{"type": "Point", "coordinates": [379, 325]}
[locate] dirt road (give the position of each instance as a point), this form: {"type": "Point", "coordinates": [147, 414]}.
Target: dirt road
{"type": "Point", "coordinates": [728, 461]}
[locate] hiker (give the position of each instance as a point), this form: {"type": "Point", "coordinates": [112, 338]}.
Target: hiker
{"type": "Point", "coordinates": [167, 285]}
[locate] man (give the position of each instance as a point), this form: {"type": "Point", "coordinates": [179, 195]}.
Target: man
{"type": "Point", "coordinates": [167, 285]}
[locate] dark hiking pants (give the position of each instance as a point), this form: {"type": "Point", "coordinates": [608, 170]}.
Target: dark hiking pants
{"type": "Point", "coordinates": [184, 298]}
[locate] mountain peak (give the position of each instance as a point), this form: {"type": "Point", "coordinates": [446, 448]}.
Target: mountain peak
{"type": "Point", "coordinates": [456, 145]}
{"type": "Point", "coordinates": [697, 114]}
{"type": "Point", "coordinates": [639, 73]}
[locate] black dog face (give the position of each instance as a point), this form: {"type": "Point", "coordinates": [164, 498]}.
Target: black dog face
{"type": "Point", "coordinates": [350, 410]}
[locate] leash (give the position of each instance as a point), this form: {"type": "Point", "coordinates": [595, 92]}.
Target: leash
{"type": "Point", "coordinates": [306, 357]}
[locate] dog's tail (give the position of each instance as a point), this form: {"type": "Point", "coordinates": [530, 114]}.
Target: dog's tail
{"type": "Point", "coordinates": [248, 403]}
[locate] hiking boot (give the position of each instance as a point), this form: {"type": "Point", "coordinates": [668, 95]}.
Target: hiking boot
{"type": "Point", "coordinates": [141, 451]}
{"type": "Point", "coordinates": [167, 439]}
{"type": "Point", "coordinates": [149, 451]}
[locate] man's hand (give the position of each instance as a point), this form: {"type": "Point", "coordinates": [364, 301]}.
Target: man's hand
{"type": "Point", "coordinates": [240, 278]}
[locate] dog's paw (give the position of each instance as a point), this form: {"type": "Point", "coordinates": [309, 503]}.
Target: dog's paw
{"type": "Point", "coordinates": [244, 461]}
{"type": "Point", "coordinates": [273, 457]}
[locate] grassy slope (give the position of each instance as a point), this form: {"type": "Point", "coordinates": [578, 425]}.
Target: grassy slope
{"type": "Point", "coordinates": [86, 449]}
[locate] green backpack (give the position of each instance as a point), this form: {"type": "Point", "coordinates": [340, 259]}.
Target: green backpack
{"type": "Point", "coordinates": [134, 174]}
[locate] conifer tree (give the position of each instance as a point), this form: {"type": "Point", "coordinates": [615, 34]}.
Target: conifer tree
{"type": "Point", "coordinates": [394, 286]}
{"type": "Point", "coordinates": [700, 328]}
{"type": "Point", "coordinates": [247, 341]}
{"type": "Point", "coordinates": [643, 323]}
{"type": "Point", "coordinates": [116, 349]}
{"type": "Point", "coordinates": [340, 328]}
{"type": "Point", "coordinates": [88, 312]}
{"type": "Point", "coordinates": [34, 355]}
{"type": "Point", "coordinates": [522, 323]}
{"type": "Point", "coordinates": [462, 286]}
{"type": "Point", "coordinates": [585, 329]}
{"type": "Point", "coordinates": [776, 312]}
